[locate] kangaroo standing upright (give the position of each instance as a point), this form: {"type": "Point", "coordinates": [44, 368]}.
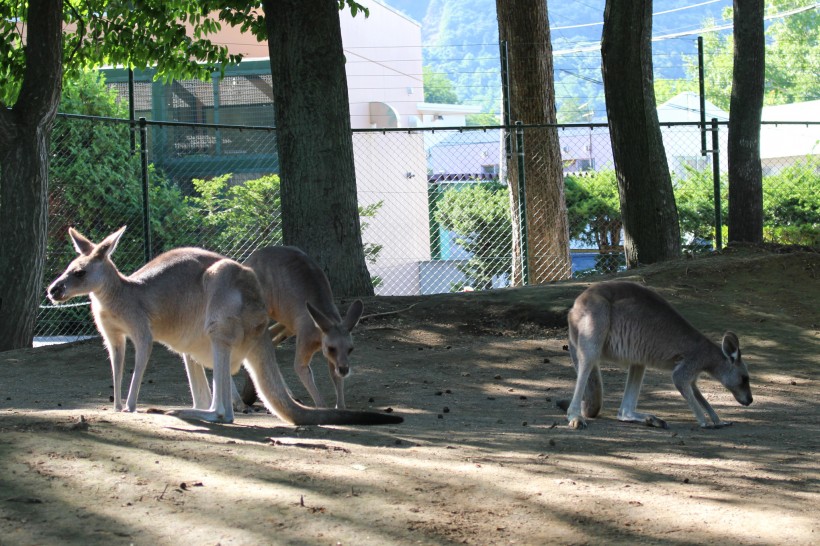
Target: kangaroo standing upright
{"type": "Point", "coordinates": [199, 304]}
{"type": "Point", "coordinates": [298, 297]}
{"type": "Point", "coordinates": [631, 325]}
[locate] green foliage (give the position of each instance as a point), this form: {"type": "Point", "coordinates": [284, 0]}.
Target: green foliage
{"type": "Point", "coordinates": [482, 120]}
{"type": "Point", "coordinates": [791, 204]}
{"type": "Point", "coordinates": [594, 214]}
{"type": "Point", "coordinates": [594, 209]}
{"type": "Point", "coordinates": [792, 60]}
{"type": "Point", "coordinates": [479, 214]}
{"type": "Point", "coordinates": [695, 199]}
{"type": "Point", "coordinates": [150, 33]}
{"type": "Point", "coordinates": [236, 219]}
{"type": "Point", "coordinates": [793, 57]}
{"type": "Point", "coordinates": [666, 89]}
{"type": "Point", "coordinates": [371, 250]}
{"type": "Point", "coordinates": [438, 88]}
{"type": "Point", "coordinates": [96, 180]}
{"type": "Point", "coordinates": [570, 110]}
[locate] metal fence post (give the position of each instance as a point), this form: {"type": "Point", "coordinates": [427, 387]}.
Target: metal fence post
{"type": "Point", "coordinates": [146, 214]}
{"type": "Point", "coordinates": [505, 98]}
{"type": "Point", "coordinates": [701, 98]}
{"type": "Point", "coordinates": [716, 179]}
{"type": "Point", "coordinates": [522, 203]}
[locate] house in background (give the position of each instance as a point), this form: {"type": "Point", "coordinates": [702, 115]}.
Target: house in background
{"type": "Point", "coordinates": [785, 145]}
{"type": "Point", "coordinates": [683, 143]}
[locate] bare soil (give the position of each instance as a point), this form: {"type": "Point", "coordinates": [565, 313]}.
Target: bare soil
{"type": "Point", "coordinates": [484, 455]}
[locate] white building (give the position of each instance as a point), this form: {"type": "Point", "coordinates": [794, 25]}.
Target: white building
{"type": "Point", "coordinates": [782, 145]}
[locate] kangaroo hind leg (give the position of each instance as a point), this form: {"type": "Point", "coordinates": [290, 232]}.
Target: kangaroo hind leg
{"type": "Point", "coordinates": [629, 404]}
{"type": "Point", "coordinates": [588, 330]}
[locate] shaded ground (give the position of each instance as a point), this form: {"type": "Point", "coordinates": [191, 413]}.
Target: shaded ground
{"type": "Point", "coordinates": [484, 456]}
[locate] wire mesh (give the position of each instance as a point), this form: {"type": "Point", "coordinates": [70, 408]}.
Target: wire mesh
{"type": "Point", "coordinates": [439, 207]}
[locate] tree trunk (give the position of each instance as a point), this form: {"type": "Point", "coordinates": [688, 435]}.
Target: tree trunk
{"type": "Point", "coordinates": [24, 136]}
{"type": "Point", "coordinates": [524, 25]}
{"type": "Point", "coordinates": [745, 109]}
{"type": "Point", "coordinates": [650, 217]}
{"type": "Point", "coordinates": [319, 203]}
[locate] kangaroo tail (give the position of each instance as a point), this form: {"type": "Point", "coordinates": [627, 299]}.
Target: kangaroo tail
{"type": "Point", "coordinates": [274, 393]}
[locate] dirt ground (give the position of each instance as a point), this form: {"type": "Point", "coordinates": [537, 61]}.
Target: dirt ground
{"type": "Point", "coordinates": [484, 455]}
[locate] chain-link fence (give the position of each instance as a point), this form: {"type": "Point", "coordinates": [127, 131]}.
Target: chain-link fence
{"type": "Point", "coordinates": [440, 208]}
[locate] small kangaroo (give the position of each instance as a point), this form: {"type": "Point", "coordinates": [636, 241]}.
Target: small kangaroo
{"type": "Point", "coordinates": [632, 326]}
{"type": "Point", "coordinates": [198, 304]}
{"type": "Point", "coordinates": [298, 297]}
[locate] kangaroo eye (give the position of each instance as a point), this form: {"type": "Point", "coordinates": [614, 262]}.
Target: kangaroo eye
{"type": "Point", "coordinates": [331, 350]}
{"type": "Point", "coordinates": [350, 350]}
{"type": "Point", "coordinates": [79, 274]}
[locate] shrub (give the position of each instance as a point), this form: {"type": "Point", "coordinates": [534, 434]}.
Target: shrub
{"type": "Point", "coordinates": [479, 215]}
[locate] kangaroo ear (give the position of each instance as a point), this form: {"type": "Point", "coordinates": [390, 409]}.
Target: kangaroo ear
{"type": "Point", "coordinates": [319, 318]}
{"type": "Point", "coordinates": [354, 313]}
{"type": "Point", "coordinates": [731, 347]}
{"type": "Point", "coordinates": [81, 244]}
{"type": "Point", "coordinates": [109, 244]}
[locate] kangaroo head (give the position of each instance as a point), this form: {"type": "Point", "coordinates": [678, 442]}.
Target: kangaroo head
{"type": "Point", "coordinates": [89, 270]}
{"type": "Point", "coordinates": [337, 343]}
{"type": "Point", "coordinates": [732, 372]}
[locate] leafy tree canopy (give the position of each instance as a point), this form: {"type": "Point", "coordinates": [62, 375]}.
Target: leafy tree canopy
{"type": "Point", "coordinates": [438, 88]}
{"type": "Point", "coordinates": [792, 59]}
{"type": "Point", "coordinates": [170, 35]}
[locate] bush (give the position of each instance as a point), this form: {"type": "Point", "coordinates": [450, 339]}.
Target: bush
{"type": "Point", "coordinates": [791, 204]}
{"type": "Point", "coordinates": [695, 200]}
{"type": "Point", "coordinates": [479, 215]}
{"type": "Point", "coordinates": [594, 209]}
{"type": "Point", "coordinates": [236, 219]}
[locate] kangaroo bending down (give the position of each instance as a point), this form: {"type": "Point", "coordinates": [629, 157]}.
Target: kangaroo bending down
{"type": "Point", "coordinates": [631, 325]}
{"type": "Point", "coordinates": [298, 297]}
{"type": "Point", "coordinates": [197, 303]}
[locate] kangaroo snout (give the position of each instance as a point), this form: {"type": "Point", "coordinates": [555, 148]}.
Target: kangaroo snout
{"type": "Point", "coordinates": [343, 371]}
{"type": "Point", "coordinates": [56, 292]}
{"type": "Point", "coordinates": [743, 396]}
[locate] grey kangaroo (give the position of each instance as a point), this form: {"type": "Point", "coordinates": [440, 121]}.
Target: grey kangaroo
{"type": "Point", "coordinates": [199, 304]}
{"type": "Point", "coordinates": [298, 297]}
{"type": "Point", "coordinates": [632, 326]}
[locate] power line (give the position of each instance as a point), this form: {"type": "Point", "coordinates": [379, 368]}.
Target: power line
{"type": "Point", "coordinates": [690, 32]}
{"type": "Point", "coordinates": [599, 23]}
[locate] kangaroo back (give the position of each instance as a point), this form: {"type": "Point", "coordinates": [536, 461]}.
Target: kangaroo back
{"type": "Point", "coordinates": [289, 278]}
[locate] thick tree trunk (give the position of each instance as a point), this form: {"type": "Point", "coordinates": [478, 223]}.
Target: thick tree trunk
{"type": "Point", "coordinates": [524, 25]}
{"type": "Point", "coordinates": [319, 203]}
{"type": "Point", "coordinates": [745, 110]}
{"type": "Point", "coordinates": [650, 217]}
{"type": "Point", "coordinates": [24, 137]}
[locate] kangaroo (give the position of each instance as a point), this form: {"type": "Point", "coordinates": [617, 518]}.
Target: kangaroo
{"type": "Point", "coordinates": [197, 303]}
{"type": "Point", "coordinates": [631, 325]}
{"type": "Point", "coordinates": [298, 297]}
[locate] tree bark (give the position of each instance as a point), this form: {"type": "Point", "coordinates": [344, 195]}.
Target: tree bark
{"type": "Point", "coordinates": [24, 158]}
{"type": "Point", "coordinates": [650, 217]}
{"type": "Point", "coordinates": [745, 110]}
{"type": "Point", "coordinates": [319, 202]}
{"type": "Point", "coordinates": [524, 25]}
